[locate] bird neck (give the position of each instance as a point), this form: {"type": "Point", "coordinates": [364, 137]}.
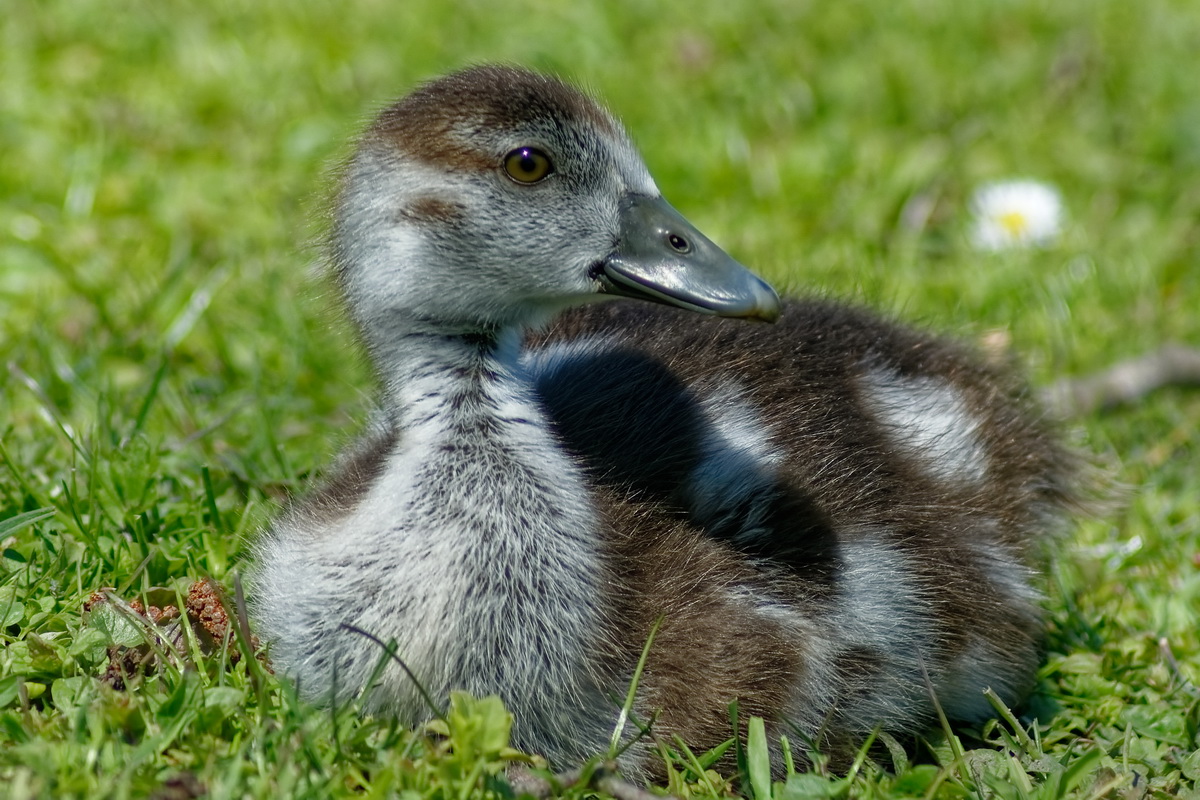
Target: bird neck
{"type": "Point", "coordinates": [476, 444]}
{"type": "Point", "coordinates": [495, 514]}
{"type": "Point", "coordinates": [435, 378]}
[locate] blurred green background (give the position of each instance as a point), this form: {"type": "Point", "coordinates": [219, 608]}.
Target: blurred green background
{"type": "Point", "coordinates": [171, 366]}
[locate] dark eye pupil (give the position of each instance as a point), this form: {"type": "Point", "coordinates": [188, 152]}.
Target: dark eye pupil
{"type": "Point", "coordinates": [527, 165]}
{"type": "Point", "coordinates": [678, 242]}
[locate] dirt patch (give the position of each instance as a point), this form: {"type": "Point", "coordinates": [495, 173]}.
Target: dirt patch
{"type": "Point", "coordinates": [149, 629]}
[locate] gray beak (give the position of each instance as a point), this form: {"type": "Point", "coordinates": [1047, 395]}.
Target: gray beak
{"type": "Point", "coordinates": [662, 257]}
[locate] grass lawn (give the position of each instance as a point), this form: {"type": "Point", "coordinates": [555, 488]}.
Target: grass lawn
{"type": "Point", "coordinates": [170, 365]}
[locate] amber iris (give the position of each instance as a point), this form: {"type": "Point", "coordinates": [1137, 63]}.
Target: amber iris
{"type": "Point", "coordinates": [527, 165]}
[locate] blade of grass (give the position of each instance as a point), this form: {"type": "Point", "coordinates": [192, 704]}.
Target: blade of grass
{"type": "Point", "coordinates": [622, 718]}
{"type": "Point", "coordinates": [390, 650]}
{"type": "Point", "coordinates": [758, 759]}
{"type": "Point", "coordinates": [15, 524]}
{"type": "Point", "coordinates": [139, 421]}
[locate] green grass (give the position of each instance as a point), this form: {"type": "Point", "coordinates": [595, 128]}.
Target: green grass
{"type": "Point", "coordinates": [169, 366]}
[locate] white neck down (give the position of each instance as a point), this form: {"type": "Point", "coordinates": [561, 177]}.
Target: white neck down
{"type": "Point", "coordinates": [476, 549]}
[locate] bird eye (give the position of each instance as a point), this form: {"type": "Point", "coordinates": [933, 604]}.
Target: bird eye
{"type": "Point", "coordinates": [527, 165]}
{"type": "Point", "coordinates": [678, 243]}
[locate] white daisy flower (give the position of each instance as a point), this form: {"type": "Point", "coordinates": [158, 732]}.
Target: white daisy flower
{"type": "Point", "coordinates": [1011, 214]}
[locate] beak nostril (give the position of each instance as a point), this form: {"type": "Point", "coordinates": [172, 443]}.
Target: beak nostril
{"type": "Point", "coordinates": [678, 243]}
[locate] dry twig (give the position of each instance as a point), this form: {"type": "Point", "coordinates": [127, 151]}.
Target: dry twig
{"type": "Point", "coordinates": [1126, 382]}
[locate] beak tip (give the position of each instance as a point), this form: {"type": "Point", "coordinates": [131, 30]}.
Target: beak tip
{"type": "Point", "coordinates": [769, 315]}
{"type": "Point", "coordinates": [767, 305]}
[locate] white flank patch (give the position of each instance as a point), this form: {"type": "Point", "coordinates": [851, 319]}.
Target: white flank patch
{"type": "Point", "coordinates": [1011, 577]}
{"type": "Point", "coordinates": [882, 603]}
{"type": "Point", "coordinates": [788, 616]}
{"type": "Point", "coordinates": [929, 418]}
{"type": "Point", "coordinates": [540, 362]}
{"type": "Point", "coordinates": [738, 460]}
{"type": "Point", "coordinates": [879, 610]}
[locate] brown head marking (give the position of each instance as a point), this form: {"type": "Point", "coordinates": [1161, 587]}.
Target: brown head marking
{"type": "Point", "coordinates": [429, 123]}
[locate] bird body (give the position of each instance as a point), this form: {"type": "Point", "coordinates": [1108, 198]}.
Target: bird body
{"type": "Point", "coordinates": [832, 518]}
{"type": "Point", "coordinates": [899, 490]}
